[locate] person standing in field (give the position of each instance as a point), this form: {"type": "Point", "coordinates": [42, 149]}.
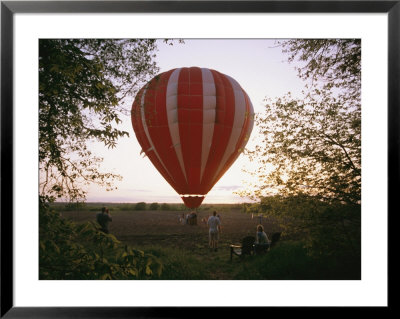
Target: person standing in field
{"type": "Point", "coordinates": [103, 219]}
{"type": "Point", "coordinates": [213, 233]}
{"type": "Point", "coordinates": [220, 222]}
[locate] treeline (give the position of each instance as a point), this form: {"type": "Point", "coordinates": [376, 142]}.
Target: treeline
{"type": "Point", "coordinates": [149, 206]}
{"type": "Point", "coordinates": [140, 206]}
{"type": "Point", "coordinates": [115, 207]}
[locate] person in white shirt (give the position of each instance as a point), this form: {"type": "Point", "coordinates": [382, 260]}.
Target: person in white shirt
{"type": "Point", "coordinates": [214, 225]}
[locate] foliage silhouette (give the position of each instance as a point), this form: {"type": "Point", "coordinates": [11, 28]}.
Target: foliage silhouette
{"type": "Point", "coordinates": [71, 251]}
{"type": "Point", "coordinates": [82, 84]}
{"type": "Point", "coordinates": [309, 154]}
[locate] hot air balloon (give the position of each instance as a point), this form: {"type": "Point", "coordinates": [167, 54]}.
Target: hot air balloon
{"type": "Point", "coordinates": [192, 123]}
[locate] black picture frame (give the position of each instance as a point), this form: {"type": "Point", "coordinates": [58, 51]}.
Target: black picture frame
{"type": "Point", "coordinates": [9, 8]}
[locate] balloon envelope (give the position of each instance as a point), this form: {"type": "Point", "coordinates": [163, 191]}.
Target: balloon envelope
{"type": "Point", "coordinates": [192, 123]}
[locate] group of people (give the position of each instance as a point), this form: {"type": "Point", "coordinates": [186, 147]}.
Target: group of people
{"type": "Point", "coordinates": [188, 219]}
{"type": "Point", "coordinates": [191, 219]}
{"type": "Point", "coordinates": [214, 223]}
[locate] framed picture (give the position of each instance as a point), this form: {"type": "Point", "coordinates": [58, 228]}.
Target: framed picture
{"type": "Point", "coordinates": [24, 23]}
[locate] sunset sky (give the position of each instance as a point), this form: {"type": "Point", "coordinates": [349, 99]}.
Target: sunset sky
{"type": "Point", "coordinates": [261, 69]}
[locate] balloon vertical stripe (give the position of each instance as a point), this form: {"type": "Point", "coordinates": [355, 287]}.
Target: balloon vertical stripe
{"type": "Point", "coordinates": [157, 121]}
{"type": "Point", "coordinates": [209, 112]}
{"type": "Point", "coordinates": [241, 140]}
{"type": "Point", "coordinates": [190, 117]}
{"type": "Point", "coordinates": [147, 148]}
{"type": "Point", "coordinates": [152, 149]}
{"type": "Point", "coordinates": [222, 128]}
{"type": "Point", "coordinates": [172, 114]}
{"type": "Point", "coordinates": [239, 117]}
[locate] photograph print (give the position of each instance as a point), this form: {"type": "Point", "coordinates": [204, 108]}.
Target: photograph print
{"type": "Point", "coordinates": [199, 159]}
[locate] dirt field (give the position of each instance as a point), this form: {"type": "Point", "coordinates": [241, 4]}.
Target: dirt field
{"type": "Point", "coordinates": [183, 249]}
{"type": "Point", "coordinates": [162, 228]}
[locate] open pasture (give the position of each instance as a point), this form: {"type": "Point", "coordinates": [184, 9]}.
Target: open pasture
{"type": "Point", "coordinates": [162, 228]}
{"type": "Point", "coordinates": [184, 253]}
{"type": "Point", "coordinates": [182, 248]}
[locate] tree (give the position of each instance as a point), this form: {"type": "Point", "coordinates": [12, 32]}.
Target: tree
{"type": "Point", "coordinates": [165, 206]}
{"type": "Point", "coordinates": [82, 83]}
{"type": "Point", "coordinates": [82, 86]}
{"type": "Point", "coordinates": [310, 151]}
{"type": "Point", "coordinates": [154, 206]}
{"type": "Point", "coordinates": [326, 229]}
{"type": "Point", "coordinates": [140, 206]}
{"type": "Point", "coordinates": [313, 142]}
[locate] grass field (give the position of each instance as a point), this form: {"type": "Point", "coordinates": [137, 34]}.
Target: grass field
{"type": "Point", "coordinates": [184, 253]}
{"type": "Point", "coordinates": [161, 233]}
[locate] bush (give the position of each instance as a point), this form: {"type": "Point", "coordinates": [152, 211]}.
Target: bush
{"type": "Point", "coordinates": [165, 206]}
{"type": "Point", "coordinates": [140, 206]}
{"type": "Point", "coordinates": [71, 251]}
{"type": "Point", "coordinates": [179, 265]}
{"type": "Point", "coordinates": [75, 206]}
{"type": "Point", "coordinates": [154, 206]}
{"type": "Point", "coordinates": [330, 229]}
{"type": "Point", "coordinates": [290, 260]}
{"type": "Point", "coordinates": [126, 207]}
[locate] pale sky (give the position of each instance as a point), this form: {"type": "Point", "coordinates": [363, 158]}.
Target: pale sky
{"type": "Point", "coordinates": [260, 68]}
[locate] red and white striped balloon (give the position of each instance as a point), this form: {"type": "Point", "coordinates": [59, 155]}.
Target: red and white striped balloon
{"type": "Point", "coordinates": [192, 123]}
